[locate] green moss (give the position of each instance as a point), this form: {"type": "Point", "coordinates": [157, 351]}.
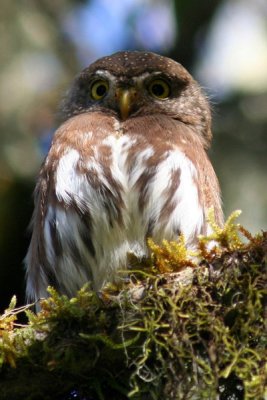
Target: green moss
{"type": "Point", "coordinates": [157, 336]}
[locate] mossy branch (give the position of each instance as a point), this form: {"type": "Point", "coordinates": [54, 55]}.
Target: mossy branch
{"type": "Point", "coordinates": [187, 327]}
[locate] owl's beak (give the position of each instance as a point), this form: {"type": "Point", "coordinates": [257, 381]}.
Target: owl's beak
{"type": "Point", "coordinates": [125, 97]}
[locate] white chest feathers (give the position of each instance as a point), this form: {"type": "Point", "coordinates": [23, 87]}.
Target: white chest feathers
{"type": "Point", "coordinates": [107, 206]}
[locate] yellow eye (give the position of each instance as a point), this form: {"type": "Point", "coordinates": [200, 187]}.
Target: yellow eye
{"type": "Point", "coordinates": [98, 89]}
{"type": "Point", "coordinates": [159, 89]}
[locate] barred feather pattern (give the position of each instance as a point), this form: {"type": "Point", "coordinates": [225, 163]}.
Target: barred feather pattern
{"type": "Point", "coordinates": [105, 188]}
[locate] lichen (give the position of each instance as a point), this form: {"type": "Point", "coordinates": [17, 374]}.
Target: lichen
{"type": "Point", "coordinates": [171, 256]}
{"type": "Point", "coordinates": [203, 339]}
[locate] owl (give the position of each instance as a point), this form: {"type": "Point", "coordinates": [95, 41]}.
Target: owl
{"type": "Point", "coordinates": [127, 163]}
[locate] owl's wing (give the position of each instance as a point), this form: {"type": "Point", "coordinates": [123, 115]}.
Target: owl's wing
{"type": "Point", "coordinates": [61, 248]}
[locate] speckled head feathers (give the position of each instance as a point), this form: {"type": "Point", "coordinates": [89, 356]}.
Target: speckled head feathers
{"type": "Point", "coordinates": [187, 103]}
{"type": "Point", "coordinates": [133, 63]}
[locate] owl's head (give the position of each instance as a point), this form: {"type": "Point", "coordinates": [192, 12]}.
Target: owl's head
{"type": "Point", "coordinates": [132, 83]}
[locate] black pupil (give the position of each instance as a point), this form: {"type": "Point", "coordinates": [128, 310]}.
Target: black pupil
{"type": "Point", "coordinates": [101, 90]}
{"type": "Point", "coordinates": [158, 89]}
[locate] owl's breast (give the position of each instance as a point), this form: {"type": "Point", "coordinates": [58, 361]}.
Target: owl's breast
{"type": "Point", "coordinates": [136, 183]}
{"type": "Point", "coordinates": [112, 191]}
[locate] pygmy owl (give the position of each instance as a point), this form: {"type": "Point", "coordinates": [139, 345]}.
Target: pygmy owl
{"type": "Point", "coordinates": [127, 163]}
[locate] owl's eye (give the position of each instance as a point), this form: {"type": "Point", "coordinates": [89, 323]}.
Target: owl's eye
{"type": "Point", "coordinates": [98, 89]}
{"type": "Point", "coordinates": [159, 88]}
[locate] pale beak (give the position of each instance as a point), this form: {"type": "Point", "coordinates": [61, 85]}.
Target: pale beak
{"type": "Point", "coordinates": [125, 97]}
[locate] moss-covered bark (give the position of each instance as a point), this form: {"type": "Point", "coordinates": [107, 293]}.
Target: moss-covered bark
{"type": "Point", "coordinates": [177, 329]}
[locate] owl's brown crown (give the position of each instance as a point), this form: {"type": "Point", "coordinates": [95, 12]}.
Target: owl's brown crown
{"type": "Point", "coordinates": [133, 63]}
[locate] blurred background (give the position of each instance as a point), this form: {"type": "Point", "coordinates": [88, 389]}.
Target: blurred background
{"type": "Point", "coordinates": [44, 44]}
